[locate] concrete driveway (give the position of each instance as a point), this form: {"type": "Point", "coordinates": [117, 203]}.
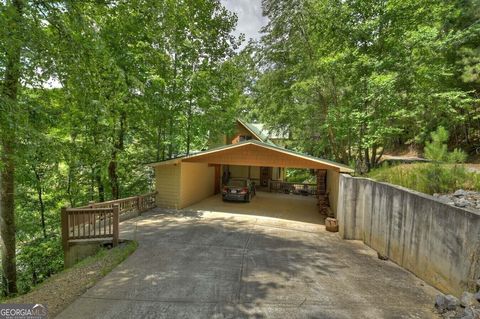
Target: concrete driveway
{"type": "Point", "coordinates": [192, 264]}
{"type": "Point", "coordinates": [277, 205]}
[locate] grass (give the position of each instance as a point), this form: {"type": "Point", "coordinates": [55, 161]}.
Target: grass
{"type": "Point", "coordinates": [428, 178]}
{"type": "Point", "coordinates": [58, 291]}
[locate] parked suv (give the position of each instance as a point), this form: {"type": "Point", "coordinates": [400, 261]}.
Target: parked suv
{"type": "Point", "coordinates": [238, 189]}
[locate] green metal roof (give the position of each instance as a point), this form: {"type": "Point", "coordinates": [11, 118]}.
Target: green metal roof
{"type": "Point", "coordinates": [261, 134]}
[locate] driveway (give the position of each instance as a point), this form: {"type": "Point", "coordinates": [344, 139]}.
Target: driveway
{"type": "Point", "coordinates": [277, 205]}
{"type": "Point", "coordinates": [193, 264]}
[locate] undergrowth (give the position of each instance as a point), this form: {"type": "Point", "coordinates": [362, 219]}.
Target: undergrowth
{"type": "Point", "coordinates": [428, 178]}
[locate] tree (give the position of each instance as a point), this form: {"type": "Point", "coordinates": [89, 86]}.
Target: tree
{"type": "Point", "coordinates": [89, 93]}
{"type": "Point", "coordinates": [12, 16]}
{"type": "Point", "coordinates": [351, 79]}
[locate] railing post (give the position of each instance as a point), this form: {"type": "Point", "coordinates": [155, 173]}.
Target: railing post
{"type": "Point", "coordinates": [65, 228]}
{"type": "Point", "coordinates": [115, 224]}
{"type": "Point", "coordinates": [138, 205]}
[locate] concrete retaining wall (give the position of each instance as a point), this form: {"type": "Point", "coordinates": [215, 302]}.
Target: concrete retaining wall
{"type": "Point", "coordinates": [437, 242]}
{"type": "Point", "coordinates": [80, 250]}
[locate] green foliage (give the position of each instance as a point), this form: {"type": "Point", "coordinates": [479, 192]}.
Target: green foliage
{"type": "Point", "coordinates": [457, 156]}
{"type": "Point", "coordinates": [437, 151]}
{"type": "Point", "coordinates": [38, 260]}
{"type": "Point", "coordinates": [105, 88]}
{"type": "Point", "coordinates": [427, 177]}
{"type": "Point", "coordinates": [352, 79]}
{"type": "Point", "coordinates": [294, 175]}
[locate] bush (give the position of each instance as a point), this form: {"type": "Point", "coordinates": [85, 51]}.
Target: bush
{"type": "Point", "coordinates": [296, 175]}
{"type": "Point", "coordinates": [428, 178]}
{"type": "Point", "coordinates": [38, 260]}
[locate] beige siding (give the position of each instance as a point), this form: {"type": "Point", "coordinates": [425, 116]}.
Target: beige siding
{"type": "Point", "coordinates": [238, 171]}
{"type": "Point", "coordinates": [255, 172]}
{"type": "Point", "coordinates": [333, 178]}
{"type": "Point", "coordinates": [197, 182]}
{"type": "Point", "coordinates": [252, 172]}
{"type": "Point", "coordinates": [167, 181]}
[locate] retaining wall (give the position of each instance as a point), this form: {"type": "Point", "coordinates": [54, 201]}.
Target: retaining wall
{"type": "Point", "coordinates": [437, 242]}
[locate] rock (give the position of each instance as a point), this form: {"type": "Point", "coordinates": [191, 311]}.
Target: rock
{"type": "Point", "coordinates": [452, 302]}
{"type": "Point", "coordinates": [331, 224]}
{"type": "Point", "coordinates": [446, 302]}
{"type": "Point", "coordinates": [470, 313]}
{"type": "Point", "coordinates": [461, 202]}
{"type": "Point", "coordinates": [382, 257]}
{"type": "Point", "coordinates": [477, 296]}
{"type": "Point", "coordinates": [467, 314]}
{"type": "Point", "coordinates": [440, 303]}
{"type": "Point", "coordinates": [460, 193]}
{"type": "Point", "coordinates": [468, 299]}
{"type": "Point", "coordinates": [444, 198]}
{"type": "Point", "coordinates": [478, 284]}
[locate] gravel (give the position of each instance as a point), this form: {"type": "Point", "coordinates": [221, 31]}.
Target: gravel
{"type": "Point", "coordinates": [461, 198]}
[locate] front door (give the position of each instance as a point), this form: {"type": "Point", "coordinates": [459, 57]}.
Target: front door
{"type": "Point", "coordinates": [265, 175]}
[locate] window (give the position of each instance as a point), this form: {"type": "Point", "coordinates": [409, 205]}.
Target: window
{"type": "Point", "coordinates": [242, 138]}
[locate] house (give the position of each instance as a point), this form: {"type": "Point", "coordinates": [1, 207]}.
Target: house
{"type": "Point", "coordinates": [253, 132]}
{"type": "Point", "coordinates": [250, 152]}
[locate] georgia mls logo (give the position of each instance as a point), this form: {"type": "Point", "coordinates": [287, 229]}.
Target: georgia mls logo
{"type": "Point", "coordinates": [39, 310]}
{"type": "Point", "coordinates": [23, 311]}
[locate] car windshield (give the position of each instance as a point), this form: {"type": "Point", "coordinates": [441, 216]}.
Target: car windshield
{"type": "Point", "coordinates": [237, 183]}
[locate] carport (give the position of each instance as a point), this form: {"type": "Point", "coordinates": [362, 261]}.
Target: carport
{"type": "Point", "coordinates": [276, 205]}
{"type": "Point", "coordinates": [184, 181]}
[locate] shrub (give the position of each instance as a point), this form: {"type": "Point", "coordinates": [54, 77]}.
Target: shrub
{"type": "Point", "coordinates": [428, 178]}
{"type": "Point", "coordinates": [294, 175]}
{"type": "Point", "coordinates": [436, 150]}
{"type": "Point", "coordinates": [38, 260]}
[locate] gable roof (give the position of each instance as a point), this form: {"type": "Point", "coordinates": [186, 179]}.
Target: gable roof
{"type": "Point", "coordinates": [253, 130]}
{"type": "Point", "coordinates": [254, 146]}
{"type": "Point", "coordinates": [271, 134]}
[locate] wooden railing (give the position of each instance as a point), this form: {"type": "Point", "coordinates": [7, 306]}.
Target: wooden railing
{"type": "Point", "coordinates": [99, 221]}
{"type": "Point", "coordinates": [294, 188]}
{"type": "Point", "coordinates": [87, 223]}
{"type": "Point", "coordinates": [134, 204]}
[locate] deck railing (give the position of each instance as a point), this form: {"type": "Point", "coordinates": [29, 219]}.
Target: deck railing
{"type": "Point", "coordinates": [99, 221]}
{"type": "Point", "coordinates": [86, 224]}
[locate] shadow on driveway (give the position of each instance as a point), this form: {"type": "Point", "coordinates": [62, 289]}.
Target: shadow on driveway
{"type": "Point", "coordinates": [193, 264]}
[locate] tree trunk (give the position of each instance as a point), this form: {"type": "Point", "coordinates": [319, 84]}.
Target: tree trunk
{"type": "Point", "coordinates": [7, 141]}
{"type": "Point", "coordinates": [112, 166]}
{"type": "Point", "coordinates": [100, 187]}
{"type": "Point", "coordinates": [189, 125]}
{"type": "Point", "coordinates": [7, 218]}
{"type": "Point", "coordinates": [159, 140]}
{"type": "Point", "coordinates": [41, 203]}
{"type": "Point", "coordinates": [112, 174]}
{"type": "Point", "coordinates": [69, 186]}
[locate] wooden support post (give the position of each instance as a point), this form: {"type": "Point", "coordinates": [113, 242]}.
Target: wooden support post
{"type": "Point", "coordinates": [138, 205]}
{"type": "Point", "coordinates": [116, 225]}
